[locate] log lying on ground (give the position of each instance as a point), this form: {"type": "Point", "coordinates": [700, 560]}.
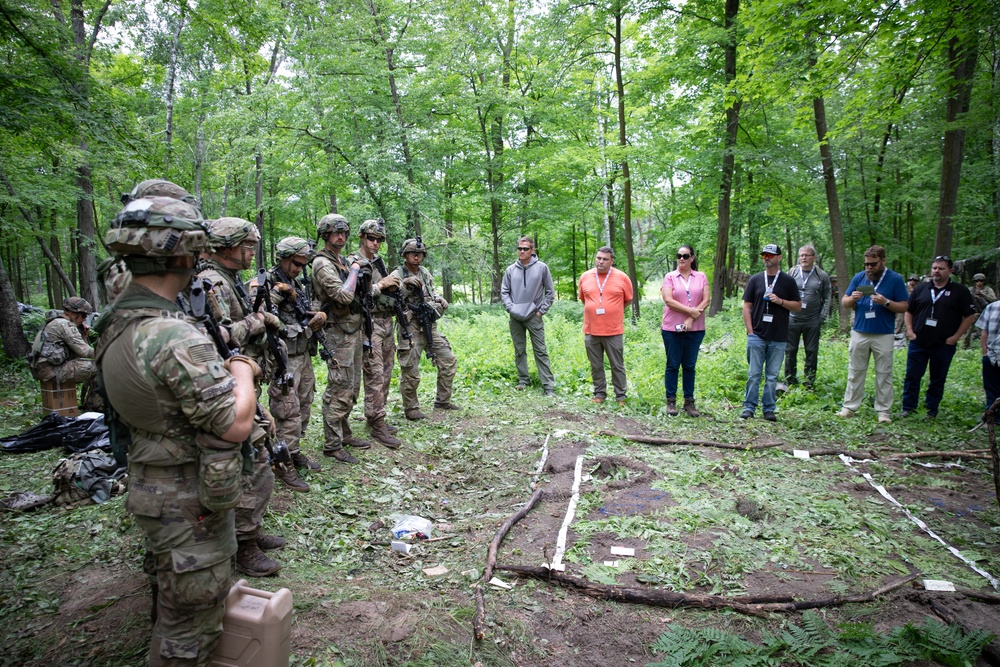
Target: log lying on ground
{"type": "Point", "coordinates": [988, 598]}
{"type": "Point", "coordinates": [957, 454]}
{"type": "Point", "coordinates": [479, 620]}
{"type": "Point", "coordinates": [659, 598]}
{"type": "Point", "coordinates": [991, 652]}
{"type": "Point", "coordinates": [650, 440]}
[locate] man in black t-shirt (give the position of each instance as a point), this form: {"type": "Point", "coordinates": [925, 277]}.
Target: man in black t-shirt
{"type": "Point", "coordinates": [769, 298]}
{"type": "Point", "coordinates": [938, 315]}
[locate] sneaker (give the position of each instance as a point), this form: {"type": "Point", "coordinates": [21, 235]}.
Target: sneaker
{"type": "Point", "coordinates": [446, 406]}
{"type": "Point", "coordinates": [270, 542]}
{"type": "Point", "coordinates": [884, 418]}
{"type": "Point", "coordinates": [770, 416]}
{"type": "Point", "coordinates": [415, 415]}
{"type": "Point", "coordinates": [845, 413]}
{"type": "Point", "coordinates": [341, 455]}
{"type": "Point", "coordinates": [781, 388]}
{"type": "Point", "coordinates": [746, 414]}
{"type": "Point", "coordinates": [905, 413]}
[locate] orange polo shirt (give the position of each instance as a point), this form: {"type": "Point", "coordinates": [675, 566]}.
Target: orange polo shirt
{"type": "Point", "coordinates": [616, 294]}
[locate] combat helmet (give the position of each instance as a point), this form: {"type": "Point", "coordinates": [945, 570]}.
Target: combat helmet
{"type": "Point", "coordinates": [291, 246]}
{"type": "Point", "coordinates": [149, 231]}
{"type": "Point", "coordinates": [76, 304]}
{"type": "Point", "coordinates": [979, 276]}
{"type": "Point", "coordinates": [228, 232]}
{"type": "Point", "coordinates": [413, 245]}
{"type": "Point", "coordinates": [158, 187]}
{"type": "Point", "coordinates": [332, 222]}
{"type": "Point", "coordinates": [374, 227]}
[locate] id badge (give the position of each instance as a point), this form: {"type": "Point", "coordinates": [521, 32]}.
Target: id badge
{"type": "Point", "coordinates": [600, 311]}
{"type": "Point", "coordinates": [930, 322]}
{"type": "Point", "coordinates": [803, 305]}
{"type": "Point", "coordinates": [869, 314]}
{"type": "Point", "coordinates": [768, 317]}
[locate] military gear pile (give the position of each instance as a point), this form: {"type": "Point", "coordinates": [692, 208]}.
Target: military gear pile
{"type": "Point", "coordinates": [228, 232]}
{"type": "Point", "coordinates": [85, 478]}
{"type": "Point", "coordinates": [157, 227]}
{"type": "Point", "coordinates": [291, 246]}
{"type": "Point", "coordinates": [76, 304]}
{"type": "Point", "coordinates": [374, 227]}
{"type": "Point", "coordinates": [332, 222]}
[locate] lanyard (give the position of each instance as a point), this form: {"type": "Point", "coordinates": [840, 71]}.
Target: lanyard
{"type": "Point", "coordinates": [805, 278]}
{"type": "Point", "coordinates": [935, 297]}
{"type": "Point", "coordinates": [687, 284]}
{"type": "Point", "coordinates": [769, 289]}
{"type": "Point", "coordinates": [600, 285]}
{"type": "Point", "coordinates": [871, 304]}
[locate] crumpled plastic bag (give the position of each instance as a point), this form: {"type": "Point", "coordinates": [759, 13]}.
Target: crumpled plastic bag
{"type": "Point", "coordinates": [74, 434]}
{"type": "Point", "coordinates": [408, 527]}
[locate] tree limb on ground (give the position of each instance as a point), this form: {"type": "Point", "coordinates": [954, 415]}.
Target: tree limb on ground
{"type": "Point", "coordinates": [650, 440]}
{"type": "Point", "coordinates": [956, 454]}
{"type": "Point", "coordinates": [479, 620]}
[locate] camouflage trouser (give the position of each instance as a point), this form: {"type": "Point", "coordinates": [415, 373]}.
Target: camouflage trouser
{"type": "Point", "coordinates": [190, 556]}
{"type": "Point", "coordinates": [378, 367]}
{"type": "Point", "coordinates": [343, 383]}
{"type": "Point", "coordinates": [257, 489]}
{"type": "Point", "coordinates": [74, 371]}
{"type": "Point", "coordinates": [409, 367]}
{"type": "Point", "coordinates": [291, 411]}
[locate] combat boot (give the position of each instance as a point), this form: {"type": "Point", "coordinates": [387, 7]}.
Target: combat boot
{"type": "Point", "coordinates": [251, 561]}
{"type": "Point", "coordinates": [672, 407]}
{"type": "Point", "coordinates": [389, 427]}
{"type": "Point", "coordinates": [290, 478]}
{"type": "Point", "coordinates": [380, 432]}
{"type": "Point", "coordinates": [269, 542]}
{"type": "Point", "coordinates": [300, 460]}
{"type": "Point", "coordinates": [414, 414]}
{"type": "Point", "coordinates": [690, 409]}
{"type": "Point", "coordinates": [340, 454]}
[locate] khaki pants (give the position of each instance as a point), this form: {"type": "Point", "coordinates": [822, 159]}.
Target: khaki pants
{"type": "Point", "coordinates": [343, 382]}
{"type": "Point", "coordinates": [614, 347]}
{"type": "Point", "coordinates": [409, 366]}
{"type": "Point", "coordinates": [879, 347]}
{"type": "Point", "coordinates": [378, 367]}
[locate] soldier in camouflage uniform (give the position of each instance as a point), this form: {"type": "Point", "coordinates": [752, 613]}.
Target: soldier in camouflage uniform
{"type": "Point", "coordinates": [334, 284]}
{"type": "Point", "coordinates": [186, 410]}
{"type": "Point", "coordinates": [291, 409]}
{"type": "Point", "coordinates": [418, 286]}
{"type": "Point", "coordinates": [234, 242]}
{"type": "Point", "coordinates": [378, 364]}
{"type": "Point", "coordinates": [60, 351]}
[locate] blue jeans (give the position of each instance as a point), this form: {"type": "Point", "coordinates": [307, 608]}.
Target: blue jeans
{"type": "Point", "coordinates": [681, 348]}
{"type": "Point", "coordinates": [918, 357]}
{"type": "Point", "coordinates": [764, 356]}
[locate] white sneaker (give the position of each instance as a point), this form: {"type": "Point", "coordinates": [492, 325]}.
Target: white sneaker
{"type": "Point", "coordinates": [884, 418]}
{"type": "Point", "coordinates": [781, 388]}
{"type": "Point", "coordinates": [845, 413]}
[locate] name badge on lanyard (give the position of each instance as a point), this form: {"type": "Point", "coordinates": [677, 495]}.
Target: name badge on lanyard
{"type": "Point", "coordinates": [768, 317]}
{"type": "Point", "coordinates": [869, 314]}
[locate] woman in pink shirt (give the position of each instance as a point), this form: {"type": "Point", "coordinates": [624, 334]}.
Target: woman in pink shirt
{"type": "Point", "coordinates": [686, 294]}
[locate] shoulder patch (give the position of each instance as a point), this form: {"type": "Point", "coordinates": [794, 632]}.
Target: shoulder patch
{"type": "Point", "coordinates": [216, 390]}
{"type": "Point", "coordinates": [202, 352]}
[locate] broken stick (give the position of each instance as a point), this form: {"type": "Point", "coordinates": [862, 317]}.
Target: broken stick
{"type": "Point", "coordinates": [479, 620]}
{"type": "Point", "coordinates": [650, 440]}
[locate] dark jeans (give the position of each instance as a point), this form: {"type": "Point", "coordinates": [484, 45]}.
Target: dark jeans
{"type": "Point", "coordinates": [918, 357]}
{"type": "Point", "coordinates": [991, 381]}
{"type": "Point", "coordinates": [809, 333]}
{"type": "Point", "coordinates": [682, 352]}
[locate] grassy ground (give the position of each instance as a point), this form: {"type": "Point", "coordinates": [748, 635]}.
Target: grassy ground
{"type": "Point", "coordinates": [71, 591]}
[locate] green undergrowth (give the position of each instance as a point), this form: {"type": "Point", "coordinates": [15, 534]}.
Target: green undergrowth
{"type": "Point", "coordinates": [816, 519]}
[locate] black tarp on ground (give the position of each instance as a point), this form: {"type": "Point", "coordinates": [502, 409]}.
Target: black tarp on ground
{"type": "Point", "coordinates": [74, 434]}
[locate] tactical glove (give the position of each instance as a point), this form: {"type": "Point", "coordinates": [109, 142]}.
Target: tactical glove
{"type": "Point", "coordinates": [413, 283]}
{"type": "Point", "coordinates": [389, 283]}
{"type": "Point", "coordinates": [317, 321]}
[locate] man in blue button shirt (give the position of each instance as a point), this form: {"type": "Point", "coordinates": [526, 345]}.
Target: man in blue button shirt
{"type": "Point", "coordinates": [876, 294]}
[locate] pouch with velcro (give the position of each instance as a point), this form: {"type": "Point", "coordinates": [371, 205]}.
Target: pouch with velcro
{"type": "Point", "coordinates": [220, 467]}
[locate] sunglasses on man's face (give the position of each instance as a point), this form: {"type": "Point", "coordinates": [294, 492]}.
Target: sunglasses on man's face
{"type": "Point", "coordinates": [374, 239]}
{"type": "Point", "coordinates": [767, 255]}
{"type": "Point", "coordinates": [683, 255]}
{"type": "Point", "coordinates": [523, 249]}
{"type": "Point", "coordinates": [870, 265]}
{"type": "Point", "coordinates": [298, 263]}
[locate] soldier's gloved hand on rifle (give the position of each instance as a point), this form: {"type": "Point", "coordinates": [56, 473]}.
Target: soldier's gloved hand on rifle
{"type": "Point", "coordinates": [317, 321]}
{"type": "Point", "coordinates": [285, 290]}
{"type": "Point", "coordinates": [270, 427]}
{"type": "Point", "coordinates": [242, 358]}
{"type": "Point", "coordinates": [271, 320]}
{"type": "Point", "coordinates": [362, 264]}
{"type": "Point", "coordinates": [441, 302]}
{"type": "Point", "coordinates": [389, 283]}
{"type": "Point", "coordinates": [413, 283]}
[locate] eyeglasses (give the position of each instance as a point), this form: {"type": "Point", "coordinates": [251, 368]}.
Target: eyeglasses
{"type": "Point", "coordinates": [248, 246]}
{"type": "Point", "coordinates": [942, 258]}
{"type": "Point", "coordinates": [768, 255]}
{"type": "Point", "coordinates": [522, 249]}
{"type": "Point", "coordinates": [374, 239]}
{"type": "Point", "coordinates": [299, 264]}
{"type": "Point", "coordinates": [980, 281]}
{"type": "Point", "coordinates": [869, 265]}
{"type": "Point", "coordinates": [807, 254]}
{"type": "Point", "coordinates": [683, 255]}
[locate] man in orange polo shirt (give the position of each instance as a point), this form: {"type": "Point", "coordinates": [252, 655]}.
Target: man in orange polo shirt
{"type": "Point", "coordinates": [605, 292]}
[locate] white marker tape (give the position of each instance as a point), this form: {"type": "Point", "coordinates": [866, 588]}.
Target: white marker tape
{"type": "Point", "coordinates": [556, 563]}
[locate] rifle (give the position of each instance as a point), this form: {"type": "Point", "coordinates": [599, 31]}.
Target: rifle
{"type": "Point", "coordinates": [426, 316]}
{"type": "Point", "coordinates": [364, 295]}
{"type": "Point", "coordinates": [278, 454]}
{"type": "Point", "coordinates": [325, 353]}
{"type": "Point", "coordinates": [283, 378]}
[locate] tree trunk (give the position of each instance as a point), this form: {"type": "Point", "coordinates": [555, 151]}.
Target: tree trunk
{"type": "Point", "coordinates": [15, 344]}
{"type": "Point", "coordinates": [171, 78]}
{"type": "Point", "coordinates": [833, 205]}
{"type": "Point", "coordinates": [719, 279]}
{"type": "Point", "coordinates": [962, 57]}
{"type": "Point", "coordinates": [627, 181]}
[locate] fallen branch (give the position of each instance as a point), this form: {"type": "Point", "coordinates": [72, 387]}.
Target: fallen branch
{"type": "Point", "coordinates": [958, 454]}
{"type": "Point", "coordinates": [479, 620]}
{"type": "Point", "coordinates": [659, 598]}
{"type": "Point", "coordinates": [989, 598]}
{"type": "Point", "coordinates": [650, 440]}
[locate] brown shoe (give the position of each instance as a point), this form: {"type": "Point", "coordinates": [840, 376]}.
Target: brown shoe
{"type": "Point", "coordinates": [251, 561]}
{"type": "Point", "coordinates": [672, 407]}
{"type": "Point", "coordinates": [289, 476]}
{"type": "Point", "coordinates": [269, 542]}
{"type": "Point", "coordinates": [357, 443]}
{"type": "Point", "coordinates": [300, 460]}
{"type": "Point", "coordinates": [340, 454]}
{"type": "Point", "coordinates": [415, 415]}
{"type": "Point", "coordinates": [446, 406]}
{"type": "Point", "coordinates": [381, 433]}
{"type": "Point", "coordinates": [690, 409]}
{"type": "Point", "coordinates": [597, 399]}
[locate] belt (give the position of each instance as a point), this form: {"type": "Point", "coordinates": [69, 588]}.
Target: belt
{"type": "Point", "coordinates": [182, 471]}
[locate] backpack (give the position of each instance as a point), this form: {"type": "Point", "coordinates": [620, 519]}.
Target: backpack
{"type": "Point", "coordinates": [45, 349]}
{"type": "Point", "coordinates": [86, 477]}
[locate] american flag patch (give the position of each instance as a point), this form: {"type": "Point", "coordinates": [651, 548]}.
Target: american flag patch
{"type": "Point", "coordinates": [202, 353]}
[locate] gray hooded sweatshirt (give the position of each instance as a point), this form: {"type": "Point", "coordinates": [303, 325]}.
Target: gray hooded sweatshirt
{"type": "Point", "coordinates": [527, 289]}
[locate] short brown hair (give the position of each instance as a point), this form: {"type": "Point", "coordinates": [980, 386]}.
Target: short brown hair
{"type": "Point", "coordinates": [606, 249]}
{"type": "Point", "coordinates": [528, 240]}
{"type": "Point", "coordinates": [875, 251]}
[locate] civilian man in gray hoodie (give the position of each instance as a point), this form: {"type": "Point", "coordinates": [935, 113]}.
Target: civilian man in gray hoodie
{"type": "Point", "coordinates": [527, 294]}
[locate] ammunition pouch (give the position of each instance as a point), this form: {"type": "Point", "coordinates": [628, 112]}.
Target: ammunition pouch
{"type": "Point", "coordinates": [219, 473]}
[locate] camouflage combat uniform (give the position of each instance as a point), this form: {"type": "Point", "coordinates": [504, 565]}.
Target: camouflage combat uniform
{"type": "Point", "coordinates": [170, 386]}
{"type": "Point", "coordinates": [247, 331]}
{"type": "Point", "coordinates": [409, 351]}
{"type": "Point", "coordinates": [378, 365]}
{"type": "Point", "coordinates": [60, 353]}
{"type": "Point", "coordinates": [344, 335]}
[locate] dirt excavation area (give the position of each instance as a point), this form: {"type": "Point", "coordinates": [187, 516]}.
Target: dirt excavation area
{"type": "Point", "coordinates": [713, 538]}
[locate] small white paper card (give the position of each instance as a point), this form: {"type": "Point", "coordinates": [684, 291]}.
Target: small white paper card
{"type": "Point", "coordinates": [500, 584]}
{"type": "Point", "coordinates": [436, 571]}
{"type": "Point", "coordinates": [610, 563]}
{"type": "Point", "coordinates": [800, 453]}
{"type": "Point", "coordinates": [402, 547]}
{"type": "Point", "coordinates": [622, 551]}
{"type": "Point", "coordinates": [938, 585]}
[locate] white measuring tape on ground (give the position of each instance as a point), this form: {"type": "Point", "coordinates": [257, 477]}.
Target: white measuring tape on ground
{"type": "Point", "coordinates": [923, 526]}
{"type": "Point", "coordinates": [557, 563]}
{"type": "Point", "coordinates": [541, 463]}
